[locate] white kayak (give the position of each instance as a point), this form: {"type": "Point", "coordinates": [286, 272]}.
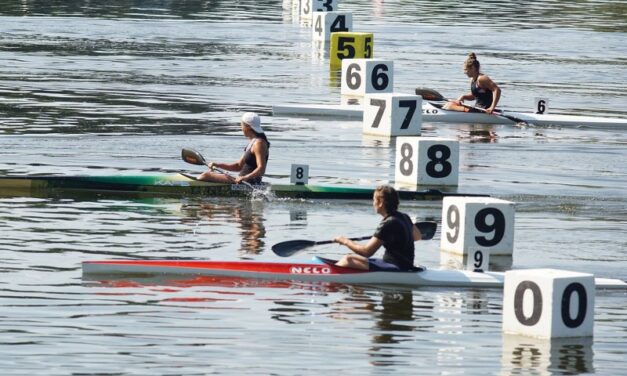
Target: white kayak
{"type": "Point", "coordinates": [317, 270]}
{"type": "Point", "coordinates": [431, 113]}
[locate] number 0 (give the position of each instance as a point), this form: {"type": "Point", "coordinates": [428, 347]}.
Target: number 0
{"type": "Point", "coordinates": [538, 302]}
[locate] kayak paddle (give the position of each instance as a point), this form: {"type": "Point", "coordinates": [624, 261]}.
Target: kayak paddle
{"type": "Point", "coordinates": [193, 157]}
{"type": "Point", "coordinates": [291, 247]}
{"type": "Point", "coordinates": [432, 95]}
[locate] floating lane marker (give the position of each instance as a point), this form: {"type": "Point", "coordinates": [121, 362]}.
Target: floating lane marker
{"type": "Point", "coordinates": [392, 114]}
{"type": "Point", "coordinates": [475, 229]}
{"type": "Point", "coordinates": [299, 174]}
{"type": "Point", "coordinates": [548, 303]}
{"type": "Point", "coordinates": [366, 76]}
{"type": "Point", "coordinates": [325, 23]}
{"type": "Point", "coordinates": [427, 161]}
{"type": "Point", "coordinates": [541, 105]}
{"type": "Point", "coordinates": [308, 8]}
{"type": "Point", "coordinates": [349, 45]}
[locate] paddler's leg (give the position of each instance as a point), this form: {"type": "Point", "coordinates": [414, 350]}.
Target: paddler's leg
{"type": "Point", "coordinates": [455, 106]}
{"type": "Point", "coordinates": [215, 177]}
{"type": "Point", "coordinates": [354, 261]}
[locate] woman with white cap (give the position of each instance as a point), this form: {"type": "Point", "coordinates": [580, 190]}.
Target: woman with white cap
{"type": "Point", "coordinates": [252, 165]}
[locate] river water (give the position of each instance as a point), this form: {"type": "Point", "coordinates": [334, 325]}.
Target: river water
{"type": "Point", "coordinates": [121, 87]}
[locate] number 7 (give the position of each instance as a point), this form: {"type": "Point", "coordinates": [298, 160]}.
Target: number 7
{"type": "Point", "coordinates": [381, 104]}
{"type": "Point", "coordinates": [411, 104]}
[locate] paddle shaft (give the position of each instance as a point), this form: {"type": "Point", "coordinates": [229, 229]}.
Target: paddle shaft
{"type": "Point", "coordinates": [427, 230]}
{"type": "Point", "coordinates": [230, 176]}
{"type": "Point", "coordinates": [332, 241]}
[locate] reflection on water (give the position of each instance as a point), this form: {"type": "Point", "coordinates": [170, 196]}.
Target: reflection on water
{"type": "Point", "coordinates": [203, 9]}
{"type": "Point", "coordinates": [532, 356]}
{"type": "Point", "coordinates": [477, 133]}
{"type": "Point", "coordinates": [392, 325]}
{"type": "Point", "coordinates": [608, 15]}
{"type": "Point", "coordinates": [247, 214]}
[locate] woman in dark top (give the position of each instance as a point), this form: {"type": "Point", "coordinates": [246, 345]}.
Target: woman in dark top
{"type": "Point", "coordinates": [396, 233]}
{"type": "Point", "coordinates": [252, 165]}
{"type": "Point", "coordinates": [483, 90]}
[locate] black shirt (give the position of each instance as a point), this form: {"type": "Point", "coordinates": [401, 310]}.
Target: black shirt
{"type": "Point", "coordinates": [396, 233]}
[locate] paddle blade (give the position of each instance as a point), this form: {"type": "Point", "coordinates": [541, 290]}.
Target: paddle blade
{"type": "Point", "coordinates": [192, 156]}
{"type": "Point", "coordinates": [427, 229]}
{"type": "Point", "coordinates": [290, 247]}
{"type": "Point", "coordinates": [429, 94]}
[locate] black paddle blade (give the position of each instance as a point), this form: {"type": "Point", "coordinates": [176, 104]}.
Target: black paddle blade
{"type": "Point", "coordinates": [429, 94]}
{"type": "Point", "coordinates": [290, 247]}
{"type": "Point", "coordinates": [427, 229]}
{"type": "Point", "coordinates": [192, 156]}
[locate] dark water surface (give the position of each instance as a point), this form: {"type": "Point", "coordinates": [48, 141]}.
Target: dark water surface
{"type": "Point", "coordinates": [121, 87]}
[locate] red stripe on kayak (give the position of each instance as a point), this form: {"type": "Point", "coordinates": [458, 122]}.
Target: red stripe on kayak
{"type": "Point", "coordinates": [248, 266]}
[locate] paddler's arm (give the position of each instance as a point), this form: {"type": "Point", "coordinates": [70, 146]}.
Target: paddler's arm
{"type": "Point", "coordinates": [486, 82]}
{"type": "Point", "coordinates": [416, 233]}
{"type": "Point", "coordinates": [260, 149]}
{"type": "Point", "coordinates": [467, 96]}
{"type": "Point", "coordinates": [228, 166]}
{"type": "Point", "coordinates": [365, 250]}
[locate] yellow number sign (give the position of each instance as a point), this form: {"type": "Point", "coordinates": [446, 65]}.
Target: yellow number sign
{"type": "Point", "coordinates": [349, 45]}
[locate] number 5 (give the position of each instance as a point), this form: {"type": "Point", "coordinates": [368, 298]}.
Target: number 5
{"type": "Point", "coordinates": [343, 46]}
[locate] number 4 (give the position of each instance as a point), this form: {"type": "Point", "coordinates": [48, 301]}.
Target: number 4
{"type": "Point", "coordinates": [339, 24]}
{"type": "Point", "coordinates": [318, 25]}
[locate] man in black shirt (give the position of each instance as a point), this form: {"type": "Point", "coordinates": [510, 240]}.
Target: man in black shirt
{"type": "Point", "coordinates": [396, 233]}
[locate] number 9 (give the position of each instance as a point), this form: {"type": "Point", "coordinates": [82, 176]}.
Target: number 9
{"type": "Point", "coordinates": [478, 256]}
{"type": "Point", "coordinates": [452, 220]}
{"type": "Point", "coordinates": [498, 226]}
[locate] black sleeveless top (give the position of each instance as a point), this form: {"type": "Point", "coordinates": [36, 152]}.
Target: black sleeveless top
{"type": "Point", "coordinates": [483, 97]}
{"type": "Point", "coordinates": [250, 162]}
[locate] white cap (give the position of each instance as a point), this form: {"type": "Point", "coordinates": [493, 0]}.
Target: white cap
{"type": "Point", "coordinates": [252, 120]}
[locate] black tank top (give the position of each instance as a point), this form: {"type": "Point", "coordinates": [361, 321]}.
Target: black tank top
{"type": "Point", "coordinates": [483, 97]}
{"type": "Point", "coordinates": [250, 162]}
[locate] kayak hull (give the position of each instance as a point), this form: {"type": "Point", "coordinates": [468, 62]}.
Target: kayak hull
{"type": "Point", "coordinates": [432, 114]}
{"type": "Point", "coordinates": [179, 185]}
{"type": "Point", "coordinates": [321, 270]}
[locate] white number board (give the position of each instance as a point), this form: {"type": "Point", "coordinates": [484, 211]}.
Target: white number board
{"type": "Point", "coordinates": [367, 76]}
{"type": "Point", "coordinates": [471, 223]}
{"type": "Point", "coordinates": [548, 303]}
{"type": "Point", "coordinates": [427, 161]}
{"type": "Point", "coordinates": [478, 260]}
{"type": "Point", "coordinates": [325, 23]}
{"type": "Point", "coordinates": [309, 7]}
{"type": "Point", "coordinates": [541, 105]}
{"type": "Point", "coordinates": [392, 114]}
{"type": "Point", "coordinates": [299, 174]}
